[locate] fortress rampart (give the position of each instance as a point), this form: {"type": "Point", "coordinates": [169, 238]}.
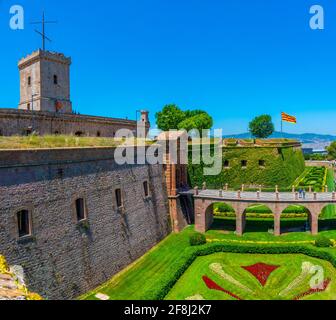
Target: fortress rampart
{"type": "Point", "coordinates": [62, 256]}
{"type": "Point", "coordinates": [24, 122]}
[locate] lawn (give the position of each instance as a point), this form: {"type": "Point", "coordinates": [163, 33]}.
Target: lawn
{"type": "Point", "coordinates": [60, 141]}
{"type": "Point", "coordinates": [145, 275]}
{"type": "Point", "coordinates": [225, 269]}
{"type": "Point", "coordinates": [132, 283]}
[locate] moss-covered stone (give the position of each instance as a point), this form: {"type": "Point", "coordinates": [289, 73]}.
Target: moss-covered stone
{"type": "Point", "coordinates": [253, 166]}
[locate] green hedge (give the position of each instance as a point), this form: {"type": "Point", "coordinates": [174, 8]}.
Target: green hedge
{"type": "Point", "coordinates": [197, 239]}
{"type": "Point", "coordinates": [261, 215]}
{"type": "Point", "coordinates": [323, 242]}
{"type": "Point", "coordinates": [180, 266]}
{"type": "Point", "coordinates": [260, 209]}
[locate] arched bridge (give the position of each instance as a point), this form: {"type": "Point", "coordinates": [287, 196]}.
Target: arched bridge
{"type": "Point", "coordinates": [240, 201]}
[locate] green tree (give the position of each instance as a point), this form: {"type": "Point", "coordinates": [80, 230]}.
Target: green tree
{"type": "Point", "coordinates": [170, 117]}
{"type": "Point", "coordinates": [332, 151]}
{"type": "Point", "coordinates": [201, 121]}
{"type": "Point", "coordinates": [262, 127]}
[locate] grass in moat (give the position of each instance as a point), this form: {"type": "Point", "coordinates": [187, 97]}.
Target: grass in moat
{"type": "Point", "coordinates": [134, 282]}
{"type": "Point", "coordinates": [60, 141]}
{"type": "Point", "coordinates": [238, 281]}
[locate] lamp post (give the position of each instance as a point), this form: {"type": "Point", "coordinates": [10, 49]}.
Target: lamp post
{"type": "Point", "coordinates": [32, 104]}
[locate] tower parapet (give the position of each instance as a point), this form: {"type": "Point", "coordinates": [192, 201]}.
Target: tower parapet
{"type": "Point", "coordinates": [45, 82]}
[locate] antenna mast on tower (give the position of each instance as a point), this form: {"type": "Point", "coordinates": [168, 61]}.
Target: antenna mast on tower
{"type": "Point", "coordinates": [43, 23]}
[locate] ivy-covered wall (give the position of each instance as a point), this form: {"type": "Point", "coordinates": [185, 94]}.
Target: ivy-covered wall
{"type": "Point", "coordinates": [266, 166]}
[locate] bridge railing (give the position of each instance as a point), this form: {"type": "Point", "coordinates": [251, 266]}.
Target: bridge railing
{"type": "Point", "coordinates": [297, 196]}
{"type": "Point", "coordinates": [275, 189]}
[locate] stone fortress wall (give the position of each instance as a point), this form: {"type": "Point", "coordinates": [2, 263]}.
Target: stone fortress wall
{"type": "Point", "coordinates": [64, 258]}
{"type": "Point", "coordinates": [24, 122]}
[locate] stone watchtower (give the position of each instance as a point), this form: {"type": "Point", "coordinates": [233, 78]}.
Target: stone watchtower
{"type": "Point", "coordinates": [45, 82]}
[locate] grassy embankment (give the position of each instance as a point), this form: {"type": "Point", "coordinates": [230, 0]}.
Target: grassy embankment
{"type": "Point", "coordinates": [61, 141]}
{"type": "Point", "coordinates": [252, 166]}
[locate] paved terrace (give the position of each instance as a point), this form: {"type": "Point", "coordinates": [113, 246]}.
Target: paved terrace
{"type": "Point", "coordinates": [240, 201]}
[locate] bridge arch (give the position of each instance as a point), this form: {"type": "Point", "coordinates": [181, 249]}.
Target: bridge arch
{"type": "Point", "coordinates": [327, 218]}
{"type": "Point", "coordinates": [224, 216]}
{"type": "Point", "coordinates": [257, 224]}
{"type": "Point", "coordinates": [300, 219]}
{"type": "Point", "coordinates": [204, 216]}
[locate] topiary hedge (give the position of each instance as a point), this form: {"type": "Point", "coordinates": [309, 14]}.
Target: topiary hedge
{"type": "Point", "coordinates": [323, 242]}
{"type": "Point", "coordinates": [197, 239]}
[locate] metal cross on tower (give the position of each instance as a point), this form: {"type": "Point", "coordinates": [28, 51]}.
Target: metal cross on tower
{"type": "Point", "coordinates": [43, 23]}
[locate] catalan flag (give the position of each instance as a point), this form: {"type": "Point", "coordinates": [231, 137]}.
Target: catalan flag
{"type": "Point", "coordinates": [287, 118]}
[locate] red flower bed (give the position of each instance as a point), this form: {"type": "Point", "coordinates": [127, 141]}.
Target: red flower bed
{"type": "Point", "coordinates": [312, 291]}
{"type": "Point", "coordinates": [261, 272]}
{"type": "Point", "coordinates": [214, 286]}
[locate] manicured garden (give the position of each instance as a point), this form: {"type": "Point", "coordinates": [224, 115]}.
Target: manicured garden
{"type": "Point", "coordinates": [314, 178]}
{"type": "Point", "coordinates": [227, 276]}
{"type": "Point", "coordinates": [160, 273]}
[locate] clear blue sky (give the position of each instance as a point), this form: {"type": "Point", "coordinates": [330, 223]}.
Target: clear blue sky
{"type": "Point", "coordinates": [234, 58]}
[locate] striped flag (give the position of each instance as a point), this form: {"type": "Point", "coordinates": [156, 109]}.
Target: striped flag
{"type": "Point", "coordinates": [287, 118]}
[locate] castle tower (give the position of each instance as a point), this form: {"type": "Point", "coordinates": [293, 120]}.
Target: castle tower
{"type": "Point", "coordinates": [45, 82]}
{"type": "Point", "coordinates": [143, 124]}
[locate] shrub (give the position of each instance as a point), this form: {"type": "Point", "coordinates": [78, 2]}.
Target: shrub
{"type": "Point", "coordinates": [197, 239]}
{"type": "Point", "coordinates": [323, 242]}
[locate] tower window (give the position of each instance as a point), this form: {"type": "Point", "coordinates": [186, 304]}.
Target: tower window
{"type": "Point", "coordinates": [1, 133]}
{"type": "Point", "coordinates": [55, 79]}
{"type": "Point", "coordinates": [118, 198]}
{"type": "Point", "coordinates": [80, 209]}
{"type": "Point", "coordinates": [29, 81]}
{"type": "Point", "coordinates": [23, 221]}
{"type": "Point", "coordinates": [28, 106]}
{"type": "Point", "coordinates": [98, 134]}
{"type": "Point", "coordinates": [226, 164]}
{"type": "Point", "coordinates": [146, 189]}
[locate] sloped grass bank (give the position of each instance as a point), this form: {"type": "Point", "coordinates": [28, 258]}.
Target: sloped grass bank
{"type": "Point", "coordinates": [154, 275]}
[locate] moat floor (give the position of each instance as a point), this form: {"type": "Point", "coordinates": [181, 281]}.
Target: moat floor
{"type": "Point", "coordinates": [137, 280]}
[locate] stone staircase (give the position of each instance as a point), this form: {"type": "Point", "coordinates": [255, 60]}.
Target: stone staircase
{"type": "Point", "coordinates": [10, 286]}
{"type": "Point", "coordinates": [9, 290]}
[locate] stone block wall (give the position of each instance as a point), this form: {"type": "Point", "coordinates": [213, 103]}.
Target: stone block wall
{"type": "Point", "coordinates": [61, 259]}
{"type": "Point", "coordinates": [21, 122]}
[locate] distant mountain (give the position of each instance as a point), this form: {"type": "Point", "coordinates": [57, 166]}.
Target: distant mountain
{"type": "Point", "coordinates": [309, 140]}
